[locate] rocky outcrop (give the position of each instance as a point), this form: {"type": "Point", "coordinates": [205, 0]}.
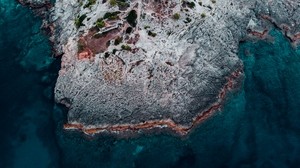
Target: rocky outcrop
{"type": "Point", "coordinates": [40, 7]}
{"type": "Point", "coordinates": [134, 65]}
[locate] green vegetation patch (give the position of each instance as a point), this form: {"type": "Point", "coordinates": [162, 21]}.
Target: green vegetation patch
{"type": "Point", "coordinates": [79, 20]}
{"type": "Point", "coordinates": [100, 23]}
{"type": "Point", "coordinates": [187, 20]}
{"type": "Point", "coordinates": [120, 3]}
{"type": "Point", "coordinates": [190, 4]}
{"type": "Point", "coordinates": [176, 16]}
{"type": "Point", "coordinates": [111, 15]}
{"type": "Point", "coordinates": [152, 34]}
{"type": "Point", "coordinates": [80, 46]}
{"type": "Point", "coordinates": [118, 40]}
{"type": "Point", "coordinates": [126, 47]}
{"type": "Point", "coordinates": [106, 55]}
{"type": "Point", "coordinates": [131, 18]}
{"type": "Point", "coordinates": [113, 2]}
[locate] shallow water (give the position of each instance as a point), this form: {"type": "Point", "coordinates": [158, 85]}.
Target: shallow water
{"type": "Point", "coordinates": [258, 126]}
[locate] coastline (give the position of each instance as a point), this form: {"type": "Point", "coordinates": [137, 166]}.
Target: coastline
{"type": "Point", "coordinates": [169, 124]}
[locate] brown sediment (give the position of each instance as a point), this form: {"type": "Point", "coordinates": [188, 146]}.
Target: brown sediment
{"type": "Point", "coordinates": [170, 124]}
{"type": "Point", "coordinates": [258, 34]}
{"type": "Point", "coordinates": [293, 37]}
{"type": "Point", "coordinates": [93, 44]}
{"type": "Point", "coordinates": [161, 9]}
{"type": "Point", "coordinates": [134, 40]}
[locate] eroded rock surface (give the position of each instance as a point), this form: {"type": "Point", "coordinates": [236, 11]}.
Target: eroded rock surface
{"type": "Point", "coordinates": [134, 62]}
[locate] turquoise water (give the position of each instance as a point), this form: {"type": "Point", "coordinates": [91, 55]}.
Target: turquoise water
{"type": "Point", "coordinates": [258, 126]}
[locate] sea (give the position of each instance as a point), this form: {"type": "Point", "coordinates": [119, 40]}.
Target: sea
{"type": "Point", "coordinates": [258, 126]}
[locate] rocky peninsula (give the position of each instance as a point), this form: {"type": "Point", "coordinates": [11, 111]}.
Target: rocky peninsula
{"type": "Point", "coordinates": [131, 66]}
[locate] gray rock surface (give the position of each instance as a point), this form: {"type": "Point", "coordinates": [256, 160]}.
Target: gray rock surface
{"type": "Point", "coordinates": [175, 75]}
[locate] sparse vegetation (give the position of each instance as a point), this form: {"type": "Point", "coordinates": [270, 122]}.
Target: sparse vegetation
{"type": "Point", "coordinates": [113, 2]}
{"type": "Point", "coordinates": [200, 3]}
{"type": "Point", "coordinates": [79, 20]}
{"type": "Point", "coordinates": [100, 23]}
{"type": "Point", "coordinates": [143, 15]}
{"type": "Point", "coordinates": [213, 1]}
{"type": "Point", "coordinates": [187, 20]}
{"type": "Point", "coordinates": [106, 55]}
{"type": "Point", "coordinates": [131, 18]}
{"type": "Point", "coordinates": [203, 15]}
{"type": "Point", "coordinates": [176, 16]}
{"type": "Point", "coordinates": [126, 47]}
{"type": "Point", "coordinates": [118, 40]}
{"type": "Point", "coordinates": [152, 34]}
{"type": "Point", "coordinates": [89, 3]}
{"type": "Point", "coordinates": [111, 15]}
{"type": "Point", "coordinates": [120, 3]}
{"type": "Point", "coordinates": [146, 27]}
{"type": "Point", "coordinates": [190, 4]}
{"type": "Point", "coordinates": [128, 30]}
{"type": "Point", "coordinates": [80, 46]}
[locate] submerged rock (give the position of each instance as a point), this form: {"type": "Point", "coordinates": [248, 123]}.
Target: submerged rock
{"type": "Point", "coordinates": [166, 71]}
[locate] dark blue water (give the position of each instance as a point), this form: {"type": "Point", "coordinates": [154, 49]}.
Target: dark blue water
{"type": "Point", "coordinates": [27, 74]}
{"type": "Point", "coordinates": [258, 127]}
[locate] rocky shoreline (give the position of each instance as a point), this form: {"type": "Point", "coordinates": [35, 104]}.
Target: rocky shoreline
{"type": "Point", "coordinates": [159, 70]}
{"type": "Point", "coordinates": [233, 82]}
{"type": "Point", "coordinates": [40, 7]}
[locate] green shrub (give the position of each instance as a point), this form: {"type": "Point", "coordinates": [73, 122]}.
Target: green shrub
{"type": "Point", "coordinates": [113, 2]}
{"type": "Point", "coordinates": [106, 55]}
{"type": "Point", "coordinates": [100, 23]}
{"type": "Point", "coordinates": [190, 4]}
{"type": "Point", "coordinates": [126, 47]}
{"type": "Point", "coordinates": [131, 18]}
{"type": "Point", "coordinates": [79, 20]}
{"type": "Point", "coordinates": [111, 15]}
{"type": "Point", "coordinates": [203, 15]}
{"type": "Point", "coordinates": [118, 40]}
{"type": "Point", "coordinates": [80, 46]}
{"type": "Point", "coordinates": [187, 20]}
{"type": "Point", "coordinates": [176, 16]}
{"type": "Point", "coordinates": [120, 3]}
{"type": "Point", "coordinates": [150, 33]}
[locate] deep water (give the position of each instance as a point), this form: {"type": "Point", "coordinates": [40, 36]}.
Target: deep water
{"type": "Point", "coordinates": [258, 127]}
{"type": "Point", "coordinates": [27, 73]}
